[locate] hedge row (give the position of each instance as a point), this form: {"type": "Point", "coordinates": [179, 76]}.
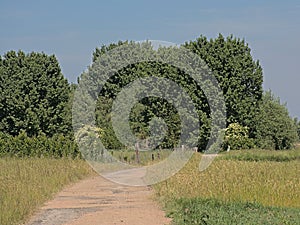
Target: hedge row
{"type": "Point", "coordinates": [38, 146]}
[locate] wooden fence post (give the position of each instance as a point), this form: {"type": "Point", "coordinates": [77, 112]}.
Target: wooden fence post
{"type": "Point", "coordinates": [137, 149]}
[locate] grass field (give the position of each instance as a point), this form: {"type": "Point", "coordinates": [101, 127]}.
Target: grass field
{"type": "Point", "coordinates": [240, 187]}
{"type": "Point", "coordinates": [27, 183]}
{"type": "Point", "coordinates": [237, 187]}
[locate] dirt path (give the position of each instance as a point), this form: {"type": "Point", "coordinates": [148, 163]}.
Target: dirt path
{"type": "Point", "coordinates": [98, 201]}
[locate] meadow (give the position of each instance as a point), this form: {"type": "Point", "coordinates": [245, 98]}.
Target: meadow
{"type": "Point", "coordinates": [239, 187]}
{"type": "Point", "coordinates": [26, 183]}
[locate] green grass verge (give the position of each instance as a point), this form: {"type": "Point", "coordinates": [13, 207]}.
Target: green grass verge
{"type": "Point", "coordinates": [25, 184]}
{"type": "Point", "coordinates": [211, 211]}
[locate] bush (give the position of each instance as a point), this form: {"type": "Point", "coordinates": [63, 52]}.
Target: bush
{"type": "Point", "coordinates": [237, 137]}
{"type": "Point", "coordinates": [38, 146]}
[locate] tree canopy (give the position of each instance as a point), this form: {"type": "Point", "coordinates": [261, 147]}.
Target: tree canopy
{"type": "Point", "coordinates": [36, 98]}
{"type": "Point", "coordinates": [149, 107]}
{"type": "Point", "coordinates": [33, 95]}
{"type": "Point", "coordinates": [238, 74]}
{"type": "Point", "coordinates": [274, 128]}
{"type": "Point", "coordinates": [230, 59]}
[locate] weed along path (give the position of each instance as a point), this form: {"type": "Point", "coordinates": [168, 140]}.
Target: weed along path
{"type": "Point", "coordinates": [97, 201]}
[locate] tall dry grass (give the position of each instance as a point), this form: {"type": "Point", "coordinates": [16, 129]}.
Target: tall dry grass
{"type": "Point", "coordinates": [266, 182]}
{"type": "Point", "coordinates": [26, 183]}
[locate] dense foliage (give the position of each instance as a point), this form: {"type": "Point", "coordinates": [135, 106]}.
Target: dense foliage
{"type": "Point", "coordinates": [238, 74]}
{"type": "Point", "coordinates": [237, 137]}
{"type": "Point", "coordinates": [275, 129]}
{"type": "Point", "coordinates": [33, 95]}
{"type": "Point", "coordinates": [150, 107]}
{"type": "Point", "coordinates": [21, 145]}
{"type": "Point", "coordinates": [36, 100]}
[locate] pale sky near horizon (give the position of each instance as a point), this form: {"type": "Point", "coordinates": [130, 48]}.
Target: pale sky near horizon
{"type": "Point", "coordinates": [73, 29]}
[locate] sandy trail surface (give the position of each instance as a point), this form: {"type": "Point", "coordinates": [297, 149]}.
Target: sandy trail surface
{"type": "Point", "coordinates": [96, 201]}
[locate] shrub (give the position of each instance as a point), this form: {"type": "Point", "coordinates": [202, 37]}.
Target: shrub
{"type": "Point", "coordinates": [38, 146]}
{"type": "Point", "coordinates": [237, 137]}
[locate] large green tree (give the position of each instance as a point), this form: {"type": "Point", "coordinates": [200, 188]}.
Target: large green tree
{"type": "Point", "coordinates": [238, 74]}
{"type": "Point", "coordinates": [34, 95]}
{"type": "Point", "coordinates": [230, 59]}
{"type": "Point", "coordinates": [240, 78]}
{"type": "Point", "coordinates": [274, 127]}
{"type": "Point", "coordinates": [150, 107]}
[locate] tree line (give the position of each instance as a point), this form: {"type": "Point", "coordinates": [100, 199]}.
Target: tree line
{"type": "Point", "coordinates": [36, 99]}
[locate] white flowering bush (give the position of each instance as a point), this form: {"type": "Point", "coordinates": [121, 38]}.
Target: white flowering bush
{"type": "Point", "coordinates": [237, 137]}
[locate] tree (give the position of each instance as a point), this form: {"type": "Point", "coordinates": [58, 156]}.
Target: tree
{"type": "Point", "coordinates": [105, 48]}
{"type": "Point", "coordinates": [143, 112]}
{"type": "Point", "coordinates": [297, 124]}
{"type": "Point", "coordinates": [274, 128]}
{"type": "Point", "coordinates": [33, 95]}
{"type": "Point", "coordinates": [239, 76]}
{"type": "Point", "coordinates": [150, 107]}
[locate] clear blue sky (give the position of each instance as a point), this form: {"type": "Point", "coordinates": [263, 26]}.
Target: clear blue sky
{"type": "Point", "coordinates": [72, 29]}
